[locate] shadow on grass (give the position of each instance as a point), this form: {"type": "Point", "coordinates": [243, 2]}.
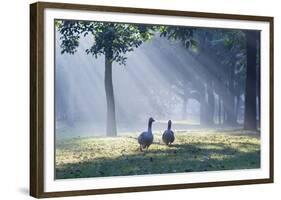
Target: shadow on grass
{"type": "Point", "coordinates": [175, 159]}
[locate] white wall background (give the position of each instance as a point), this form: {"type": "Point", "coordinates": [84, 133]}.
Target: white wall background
{"type": "Point", "coordinates": [14, 99]}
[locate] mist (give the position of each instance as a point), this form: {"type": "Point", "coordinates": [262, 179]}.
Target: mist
{"type": "Point", "coordinates": [161, 79]}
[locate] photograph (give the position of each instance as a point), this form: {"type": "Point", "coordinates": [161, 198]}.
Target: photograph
{"type": "Point", "coordinates": [136, 99]}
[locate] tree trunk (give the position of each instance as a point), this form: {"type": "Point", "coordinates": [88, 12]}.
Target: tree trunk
{"type": "Point", "coordinates": [237, 107]}
{"type": "Point", "coordinates": [224, 113]}
{"type": "Point", "coordinates": [259, 108]}
{"type": "Point", "coordinates": [111, 129]}
{"type": "Point", "coordinates": [211, 104]}
{"type": "Point", "coordinates": [203, 105]}
{"type": "Point", "coordinates": [225, 106]}
{"type": "Point", "coordinates": [184, 106]}
{"type": "Point", "coordinates": [250, 122]}
{"type": "Point", "coordinates": [221, 111]}
{"type": "Point", "coordinates": [230, 100]}
{"type": "Point", "coordinates": [258, 86]}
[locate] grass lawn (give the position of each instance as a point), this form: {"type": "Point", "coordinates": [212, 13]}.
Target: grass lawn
{"type": "Point", "coordinates": [191, 152]}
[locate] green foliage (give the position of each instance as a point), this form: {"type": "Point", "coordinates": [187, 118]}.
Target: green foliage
{"type": "Point", "coordinates": [113, 40]}
{"type": "Point", "coordinates": [58, 23]}
{"type": "Point", "coordinates": [226, 48]}
{"type": "Point", "coordinates": [199, 151]}
{"type": "Point", "coordinates": [182, 33]}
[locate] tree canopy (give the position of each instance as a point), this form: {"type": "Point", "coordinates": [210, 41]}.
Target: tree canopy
{"type": "Point", "coordinates": [111, 39]}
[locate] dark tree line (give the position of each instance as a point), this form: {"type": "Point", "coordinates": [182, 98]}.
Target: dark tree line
{"type": "Point", "coordinates": [230, 69]}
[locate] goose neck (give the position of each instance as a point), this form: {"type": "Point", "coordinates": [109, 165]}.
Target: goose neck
{"type": "Point", "coordinates": [169, 126]}
{"type": "Point", "coordinates": [149, 126]}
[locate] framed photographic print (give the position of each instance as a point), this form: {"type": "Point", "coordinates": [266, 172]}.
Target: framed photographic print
{"type": "Point", "coordinates": [131, 99]}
